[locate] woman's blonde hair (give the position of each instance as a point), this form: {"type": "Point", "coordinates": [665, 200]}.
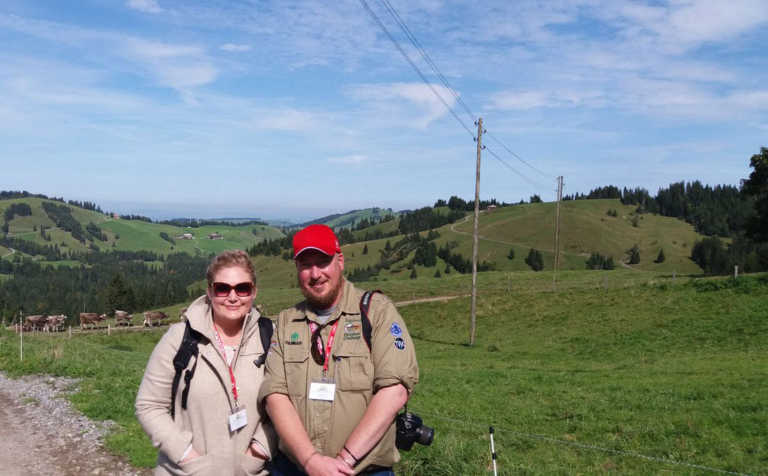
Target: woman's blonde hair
{"type": "Point", "coordinates": [227, 259]}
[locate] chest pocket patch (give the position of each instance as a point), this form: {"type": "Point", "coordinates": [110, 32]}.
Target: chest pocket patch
{"type": "Point", "coordinates": [354, 369]}
{"type": "Point", "coordinates": [296, 369]}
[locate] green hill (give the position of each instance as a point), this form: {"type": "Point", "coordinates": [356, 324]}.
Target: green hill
{"type": "Point", "coordinates": [127, 235]}
{"type": "Point", "coordinates": [585, 227]}
{"type": "Point", "coordinates": [351, 218]}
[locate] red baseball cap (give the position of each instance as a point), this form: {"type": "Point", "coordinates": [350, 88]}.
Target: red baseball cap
{"type": "Point", "coordinates": [316, 237]}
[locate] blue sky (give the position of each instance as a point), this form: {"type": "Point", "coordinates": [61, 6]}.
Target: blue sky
{"type": "Point", "coordinates": [301, 109]}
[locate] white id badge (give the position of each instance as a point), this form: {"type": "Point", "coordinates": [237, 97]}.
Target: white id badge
{"type": "Point", "coordinates": [322, 390]}
{"type": "Point", "coordinates": [237, 420]}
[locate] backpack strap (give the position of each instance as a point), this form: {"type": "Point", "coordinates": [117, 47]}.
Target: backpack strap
{"type": "Point", "coordinates": [365, 304]}
{"type": "Point", "coordinates": [266, 327]}
{"type": "Point", "coordinates": [187, 349]}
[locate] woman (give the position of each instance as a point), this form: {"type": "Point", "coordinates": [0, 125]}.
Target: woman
{"type": "Point", "coordinates": [220, 429]}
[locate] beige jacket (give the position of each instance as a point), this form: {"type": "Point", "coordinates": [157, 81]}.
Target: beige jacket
{"type": "Point", "coordinates": [357, 371]}
{"type": "Point", "coordinates": [205, 422]}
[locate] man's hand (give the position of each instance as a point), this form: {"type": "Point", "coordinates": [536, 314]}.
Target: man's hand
{"type": "Point", "coordinates": [319, 465]}
{"type": "Point", "coordinates": [190, 456]}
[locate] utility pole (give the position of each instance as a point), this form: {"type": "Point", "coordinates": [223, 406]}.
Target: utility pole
{"type": "Point", "coordinates": [557, 230]}
{"type": "Point", "coordinates": [474, 234]}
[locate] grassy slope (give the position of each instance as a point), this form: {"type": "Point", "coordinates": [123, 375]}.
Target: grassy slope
{"type": "Point", "coordinates": [134, 234]}
{"type": "Point", "coordinates": [625, 361]}
{"type": "Point", "coordinates": [585, 228]}
{"type": "Point", "coordinates": [353, 217]}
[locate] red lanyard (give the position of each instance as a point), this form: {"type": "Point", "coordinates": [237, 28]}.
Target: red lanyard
{"type": "Point", "coordinates": [328, 346]}
{"type": "Point", "coordinates": [224, 354]}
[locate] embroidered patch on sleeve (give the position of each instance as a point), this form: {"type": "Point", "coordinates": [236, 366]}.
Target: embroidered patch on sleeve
{"type": "Point", "coordinates": [400, 343]}
{"type": "Point", "coordinates": [395, 330]}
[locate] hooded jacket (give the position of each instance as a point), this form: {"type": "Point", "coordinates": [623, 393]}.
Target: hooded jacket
{"type": "Point", "coordinates": [205, 422]}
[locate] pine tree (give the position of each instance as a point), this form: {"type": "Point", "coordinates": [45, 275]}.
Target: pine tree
{"type": "Point", "coordinates": [365, 249]}
{"type": "Point", "coordinates": [437, 273]}
{"type": "Point", "coordinates": [447, 269]}
{"type": "Point", "coordinates": [634, 255]}
{"type": "Point", "coordinates": [413, 273]}
{"type": "Point", "coordinates": [660, 258]}
{"type": "Point", "coordinates": [511, 254]}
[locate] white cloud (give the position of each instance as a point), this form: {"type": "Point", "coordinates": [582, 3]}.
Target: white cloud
{"type": "Point", "coordinates": [348, 159]}
{"type": "Point", "coordinates": [147, 6]}
{"type": "Point", "coordinates": [232, 47]}
{"type": "Point", "coordinates": [402, 98]}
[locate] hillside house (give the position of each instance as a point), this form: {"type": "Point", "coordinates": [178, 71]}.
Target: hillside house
{"type": "Point", "coordinates": [215, 236]}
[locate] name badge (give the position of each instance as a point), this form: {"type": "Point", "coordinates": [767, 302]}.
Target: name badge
{"type": "Point", "coordinates": [322, 391]}
{"type": "Point", "coordinates": [237, 420]}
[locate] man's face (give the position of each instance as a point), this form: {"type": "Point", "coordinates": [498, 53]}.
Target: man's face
{"type": "Point", "coordinates": [320, 277]}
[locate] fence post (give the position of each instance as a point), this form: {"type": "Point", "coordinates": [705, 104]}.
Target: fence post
{"type": "Point", "coordinates": [108, 329]}
{"type": "Point", "coordinates": [70, 332]}
{"type": "Point", "coordinates": [735, 271]}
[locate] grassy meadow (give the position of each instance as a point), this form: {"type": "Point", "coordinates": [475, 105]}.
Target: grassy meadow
{"type": "Point", "coordinates": [132, 235]}
{"type": "Point", "coordinates": [625, 371]}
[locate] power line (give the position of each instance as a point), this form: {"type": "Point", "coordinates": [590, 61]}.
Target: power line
{"type": "Point", "coordinates": [404, 27]}
{"type": "Point", "coordinates": [428, 60]}
{"type": "Point", "coordinates": [506, 164]}
{"type": "Point", "coordinates": [516, 156]}
{"type": "Point", "coordinates": [416, 68]}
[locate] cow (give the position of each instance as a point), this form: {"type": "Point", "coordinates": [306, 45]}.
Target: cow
{"type": "Point", "coordinates": [122, 318]}
{"type": "Point", "coordinates": [150, 317]}
{"type": "Point", "coordinates": [35, 322]}
{"type": "Point", "coordinates": [55, 323]}
{"type": "Point", "coordinates": [91, 318]}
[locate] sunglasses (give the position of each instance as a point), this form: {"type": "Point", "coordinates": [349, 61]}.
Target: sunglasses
{"type": "Point", "coordinates": [241, 289]}
{"type": "Point", "coordinates": [317, 351]}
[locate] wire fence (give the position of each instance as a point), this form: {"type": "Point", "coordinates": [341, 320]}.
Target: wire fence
{"type": "Point", "coordinates": [483, 429]}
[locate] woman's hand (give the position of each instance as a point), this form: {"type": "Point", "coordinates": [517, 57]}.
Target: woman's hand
{"type": "Point", "coordinates": [190, 456]}
{"type": "Point", "coordinates": [256, 451]}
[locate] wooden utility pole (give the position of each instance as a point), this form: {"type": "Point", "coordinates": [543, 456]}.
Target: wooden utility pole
{"type": "Point", "coordinates": [557, 229]}
{"type": "Point", "coordinates": [474, 234]}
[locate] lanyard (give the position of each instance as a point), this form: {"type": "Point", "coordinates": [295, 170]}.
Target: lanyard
{"type": "Point", "coordinates": [224, 355]}
{"type": "Point", "coordinates": [329, 345]}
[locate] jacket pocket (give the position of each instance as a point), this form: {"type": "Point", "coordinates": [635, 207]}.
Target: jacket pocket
{"type": "Point", "coordinates": [197, 466]}
{"type": "Point", "coordinates": [296, 359]}
{"type": "Point", "coordinates": [354, 370]}
{"type": "Point", "coordinates": [250, 465]}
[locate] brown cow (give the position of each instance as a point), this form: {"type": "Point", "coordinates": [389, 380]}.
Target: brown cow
{"type": "Point", "coordinates": [91, 318]}
{"type": "Point", "coordinates": [123, 318]}
{"type": "Point", "coordinates": [150, 317]}
{"type": "Point", "coordinates": [36, 322]}
{"type": "Point", "coordinates": [55, 323]}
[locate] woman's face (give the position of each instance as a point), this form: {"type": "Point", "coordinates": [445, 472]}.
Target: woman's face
{"type": "Point", "coordinates": [233, 306]}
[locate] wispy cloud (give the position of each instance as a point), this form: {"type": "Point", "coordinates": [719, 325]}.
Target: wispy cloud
{"type": "Point", "coordinates": [232, 47]}
{"type": "Point", "coordinates": [349, 159]}
{"type": "Point", "coordinates": [147, 6]}
{"type": "Point", "coordinates": [403, 99]}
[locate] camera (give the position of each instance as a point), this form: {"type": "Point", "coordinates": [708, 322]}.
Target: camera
{"type": "Point", "coordinates": [410, 430]}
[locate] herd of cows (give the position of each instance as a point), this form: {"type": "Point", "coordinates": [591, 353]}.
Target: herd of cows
{"type": "Point", "coordinates": [91, 320]}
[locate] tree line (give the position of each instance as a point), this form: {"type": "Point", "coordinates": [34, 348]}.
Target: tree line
{"type": "Point", "coordinates": [107, 282]}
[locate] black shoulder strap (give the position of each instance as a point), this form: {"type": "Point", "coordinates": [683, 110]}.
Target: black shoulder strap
{"type": "Point", "coordinates": [265, 332]}
{"type": "Point", "coordinates": [187, 349]}
{"type": "Point", "coordinates": [365, 304]}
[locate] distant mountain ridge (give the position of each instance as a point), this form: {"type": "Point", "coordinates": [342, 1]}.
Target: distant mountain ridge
{"type": "Point", "coordinates": [351, 218]}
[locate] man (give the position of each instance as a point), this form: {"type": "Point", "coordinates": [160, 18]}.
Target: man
{"type": "Point", "coordinates": [333, 400]}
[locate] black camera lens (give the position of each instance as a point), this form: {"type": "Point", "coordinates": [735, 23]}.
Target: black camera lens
{"type": "Point", "coordinates": [425, 435]}
{"type": "Point", "coordinates": [410, 430]}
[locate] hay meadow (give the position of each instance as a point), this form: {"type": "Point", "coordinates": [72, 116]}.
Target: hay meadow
{"type": "Point", "coordinates": [624, 371]}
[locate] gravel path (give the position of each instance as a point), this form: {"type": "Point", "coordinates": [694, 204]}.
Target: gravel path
{"type": "Point", "coordinates": [43, 434]}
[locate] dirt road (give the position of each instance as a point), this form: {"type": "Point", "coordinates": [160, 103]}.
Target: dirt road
{"type": "Point", "coordinates": [43, 434]}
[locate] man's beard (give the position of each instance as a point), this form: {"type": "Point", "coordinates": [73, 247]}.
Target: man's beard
{"type": "Point", "coordinates": [323, 302]}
